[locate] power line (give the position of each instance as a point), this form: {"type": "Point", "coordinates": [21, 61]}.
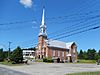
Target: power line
{"type": "Point", "coordinates": [77, 24]}
{"type": "Point", "coordinates": [26, 43]}
{"type": "Point", "coordinates": [79, 10]}
{"type": "Point", "coordinates": [87, 8]}
{"type": "Point", "coordinates": [17, 22]}
{"type": "Point", "coordinates": [83, 31]}
{"type": "Point", "coordinates": [11, 23]}
{"type": "Point", "coordinates": [78, 32]}
{"type": "Point", "coordinates": [60, 17]}
{"type": "Point", "coordinates": [73, 15]}
{"type": "Point", "coordinates": [76, 28]}
{"type": "Point", "coordinates": [17, 28]}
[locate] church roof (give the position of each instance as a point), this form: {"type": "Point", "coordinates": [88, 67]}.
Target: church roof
{"type": "Point", "coordinates": [69, 44]}
{"type": "Point", "coordinates": [58, 44]}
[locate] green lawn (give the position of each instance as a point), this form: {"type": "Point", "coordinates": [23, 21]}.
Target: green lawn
{"type": "Point", "coordinates": [10, 63]}
{"type": "Point", "coordinates": [86, 73]}
{"type": "Point", "coordinates": [87, 61]}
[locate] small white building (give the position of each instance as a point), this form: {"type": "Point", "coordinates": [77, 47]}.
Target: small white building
{"type": "Point", "coordinates": [27, 53]}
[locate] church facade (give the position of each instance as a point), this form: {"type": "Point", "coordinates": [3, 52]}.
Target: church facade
{"type": "Point", "coordinates": [48, 48]}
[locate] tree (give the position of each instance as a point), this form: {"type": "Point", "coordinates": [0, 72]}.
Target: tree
{"type": "Point", "coordinates": [80, 54]}
{"type": "Point", "coordinates": [17, 55]}
{"type": "Point", "coordinates": [34, 49]}
{"type": "Point", "coordinates": [97, 56]}
{"type": "Point", "coordinates": [99, 53]}
{"type": "Point", "coordinates": [91, 54]}
{"type": "Point", "coordinates": [1, 55]}
{"type": "Point", "coordinates": [5, 54]}
{"type": "Point", "coordinates": [85, 55]}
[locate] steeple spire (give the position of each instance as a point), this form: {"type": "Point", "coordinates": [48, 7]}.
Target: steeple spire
{"type": "Point", "coordinates": [43, 26]}
{"type": "Point", "coordinates": [43, 22]}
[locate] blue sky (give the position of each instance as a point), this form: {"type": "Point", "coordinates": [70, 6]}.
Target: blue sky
{"type": "Point", "coordinates": [59, 14]}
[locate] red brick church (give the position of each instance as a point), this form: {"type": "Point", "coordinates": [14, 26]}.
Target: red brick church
{"type": "Point", "coordinates": [54, 48]}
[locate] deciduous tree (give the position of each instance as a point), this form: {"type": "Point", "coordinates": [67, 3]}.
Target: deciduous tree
{"type": "Point", "coordinates": [17, 55]}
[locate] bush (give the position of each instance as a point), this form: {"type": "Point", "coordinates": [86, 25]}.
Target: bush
{"type": "Point", "coordinates": [1, 59]}
{"type": "Point", "coordinates": [44, 59]}
{"type": "Point", "coordinates": [13, 62]}
{"type": "Point", "coordinates": [17, 55]}
{"type": "Point", "coordinates": [48, 60]}
{"type": "Point", "coordinates": [1, 55]}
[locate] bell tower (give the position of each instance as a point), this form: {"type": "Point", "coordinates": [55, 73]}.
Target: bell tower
{"type": "Point", "coordinates": [42, 34]}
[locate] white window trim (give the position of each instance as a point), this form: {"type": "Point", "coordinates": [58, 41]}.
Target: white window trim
{"type": "Point", "coordinates": [62, 54]}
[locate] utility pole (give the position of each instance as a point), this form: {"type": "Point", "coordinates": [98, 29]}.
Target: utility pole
{"type": "Point", "coordinates": [9, 50]}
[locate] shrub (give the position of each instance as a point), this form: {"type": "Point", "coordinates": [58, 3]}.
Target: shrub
{"type": "Point", "coordinates": [47, 60]}
{"type": "Point", "coordinates": [1, 59]}
{"type": "Point", "coordinates": [1, 55]}
{"type": "Point", "coordinates": [17, 55]}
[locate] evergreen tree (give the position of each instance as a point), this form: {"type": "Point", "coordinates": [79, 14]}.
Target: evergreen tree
{"type": "Point", "coordinates": [5, 54]}
{"type": "Point", "coordinates": [80, 54]}
{"type": "Point", "coordinates": [91, 54]}
{"type": "Point", "coordinates": [1, 55]}
{"type": "Point", "coordinates": [97, 56]}
{"type": "Point", "coordinates": [99, 53]}
{"type": "Point", "coordinates": [85, 55]}
{"type": "Point", "coordinates": [17, 55]}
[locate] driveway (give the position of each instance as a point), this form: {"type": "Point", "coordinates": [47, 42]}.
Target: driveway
{"type": "Point", "coordinates": [53, 68]}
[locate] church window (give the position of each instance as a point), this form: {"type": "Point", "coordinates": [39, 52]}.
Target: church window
{"type": "Point", "coordinates": [53, 52]}
{"type": "Point", "coordinates": [62, 54]}
{"type": "Point", "coordinates": [74, 50]}
{"type": "Point", "coordinates": [58, 53]}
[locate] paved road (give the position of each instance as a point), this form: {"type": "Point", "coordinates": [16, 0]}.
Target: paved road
{"type": "Point", "coordinates": [6, 71]}
{"type": "Point", "coordinates": [52, 68]}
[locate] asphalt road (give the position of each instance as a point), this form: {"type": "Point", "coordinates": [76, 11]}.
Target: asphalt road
{"type": "Point", "coordinates": [6, 71]}
{"type": "Point", "coordinates": [48, 69]}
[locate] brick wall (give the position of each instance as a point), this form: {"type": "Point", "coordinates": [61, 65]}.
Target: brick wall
{"type": "Point", "coordinates": [57, 55]}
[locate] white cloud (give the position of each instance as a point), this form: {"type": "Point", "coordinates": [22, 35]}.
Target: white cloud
{"type": "Point", "coordinates": [26, 3]}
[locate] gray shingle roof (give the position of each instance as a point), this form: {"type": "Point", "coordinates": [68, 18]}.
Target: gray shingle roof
{"type": "Point", "coordinates": [58, 44]}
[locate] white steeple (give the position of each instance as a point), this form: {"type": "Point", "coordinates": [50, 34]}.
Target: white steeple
{"type": "Point", "coordinates": [43, 23]}
{"type": "Point", "coordinates": [43, 26]}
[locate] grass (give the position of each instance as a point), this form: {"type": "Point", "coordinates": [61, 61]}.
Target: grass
{"type": "Point", "coordinates": [10, 63]}
{"type": "Point", "coordinates": [87, 61]}
{"type": "Point", "coordinates": [38, 60]}
{"type": "Point", "coordinates": [86, 73]}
